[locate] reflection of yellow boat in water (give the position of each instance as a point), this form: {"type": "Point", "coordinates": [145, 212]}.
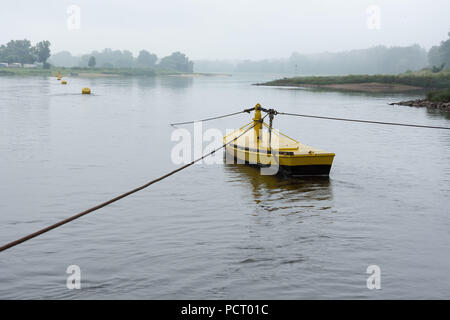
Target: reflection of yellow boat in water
{"type": "Point", "coordinates": [306, 191]}
{"type": "Point", "coordinates": [271, 148]}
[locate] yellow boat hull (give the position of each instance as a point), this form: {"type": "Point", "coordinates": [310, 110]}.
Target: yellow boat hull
{"type": "Point", "coordinates": [291, 164]}
{"type": "Point", "coordinates": [253, 145]}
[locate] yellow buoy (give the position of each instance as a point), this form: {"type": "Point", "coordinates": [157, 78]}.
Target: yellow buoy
{"type": "Point", "coordinates": [271, 149]}
{"type": "Point", "coordinates": [86, 91]}
{"type": "Point", "coordinates": [64, 82]}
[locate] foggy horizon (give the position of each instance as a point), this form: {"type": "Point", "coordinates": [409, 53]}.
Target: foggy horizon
{"type": "Point", "coordinates": [221, 30]}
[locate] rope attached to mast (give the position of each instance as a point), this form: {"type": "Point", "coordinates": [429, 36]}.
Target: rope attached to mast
{"type": "Point", "coordinates": [214, 118]}
{"type": "Point", "coordinates": [364, 121]}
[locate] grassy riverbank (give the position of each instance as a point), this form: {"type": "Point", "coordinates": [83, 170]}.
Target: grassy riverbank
{"type": "Point", "coordinates": [421, 80]}
{"type": "Point", "coordinates": [87, 72]}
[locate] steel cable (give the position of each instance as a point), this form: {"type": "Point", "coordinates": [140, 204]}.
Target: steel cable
{"type": "Point", "coordinates": [213, 118]}
{"type": "Point", "coordinates": [362, 121]}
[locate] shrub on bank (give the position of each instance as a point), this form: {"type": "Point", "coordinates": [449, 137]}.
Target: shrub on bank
{"type": "Point", "coordinates": [439, 96]}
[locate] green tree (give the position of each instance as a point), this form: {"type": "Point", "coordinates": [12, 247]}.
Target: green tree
{"type": "Point", "coordinates": [434, 56]}
{"type": "Point", "coordinates": [146, 59]}
{"type": "Point", "coordinates": [2, 53]}
{"type": "Point", "coordinates": [18, 51]}
{"type": "Point", "coordinates": [440, 55]}
{"type": "Point", "coordinates": [42, 51]}
{"type": "Point", "coordinates": [445, 52]}
{"type": "Point", "coordinates": [177, 61]}
{"type": "Point", "coordinates": [92, 62]}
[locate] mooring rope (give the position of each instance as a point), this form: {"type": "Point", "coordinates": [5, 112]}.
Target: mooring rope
{"type": "Point", "coordinates": [362, 121]}
{"type": "Point", "coordinates": [214, 118]}
{"type": "Point", "coordinates": [123, 195]}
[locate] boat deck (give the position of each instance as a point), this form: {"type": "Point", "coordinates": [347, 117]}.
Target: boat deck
{"type": "Point", "coordinates": [279, 142]}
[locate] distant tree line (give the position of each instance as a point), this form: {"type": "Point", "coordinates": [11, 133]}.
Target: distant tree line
{"type": "Point", "coordinates": [379, 59]}
{"type": "Point", "coordinates": [21, 51]}
{"type": "Point", "coordinates": [375, 60]}
{"type": "Point", "coordinates": [109, 58]}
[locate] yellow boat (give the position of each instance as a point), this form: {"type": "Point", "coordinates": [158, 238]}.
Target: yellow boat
{"type": "Point", "coordinates": [258, 144]}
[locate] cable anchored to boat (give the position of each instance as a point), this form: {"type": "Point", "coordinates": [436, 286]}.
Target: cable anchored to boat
{"type": "Point", "coordinates": [123, 195]}
{"type": "Point", "coordinates": [363, 121]}
{"type": "Point", "coordinates": [214, 118]}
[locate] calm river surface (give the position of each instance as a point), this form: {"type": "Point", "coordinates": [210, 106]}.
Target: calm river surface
{"type": "Point", "coordinates": [217, 231]}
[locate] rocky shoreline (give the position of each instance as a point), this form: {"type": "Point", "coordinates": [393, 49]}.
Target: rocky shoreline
{"type": "Point", "coordinates": [445, 106]}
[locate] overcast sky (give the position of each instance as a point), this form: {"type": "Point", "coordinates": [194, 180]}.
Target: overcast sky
{"type": "Point", "coordinates": [226, 29]}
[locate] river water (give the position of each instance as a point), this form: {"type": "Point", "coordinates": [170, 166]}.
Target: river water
{"type": "Point", "coordinates": [215, 230]}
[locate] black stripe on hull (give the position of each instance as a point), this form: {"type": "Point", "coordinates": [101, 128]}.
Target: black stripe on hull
{"type": "Point", "coordinates": [311, 170]}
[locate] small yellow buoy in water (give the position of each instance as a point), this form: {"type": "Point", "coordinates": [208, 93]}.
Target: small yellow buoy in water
{"type": "Point", "coordinates": [86, 91]}
{"type": "Point", "coordinates": [64, 82]}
